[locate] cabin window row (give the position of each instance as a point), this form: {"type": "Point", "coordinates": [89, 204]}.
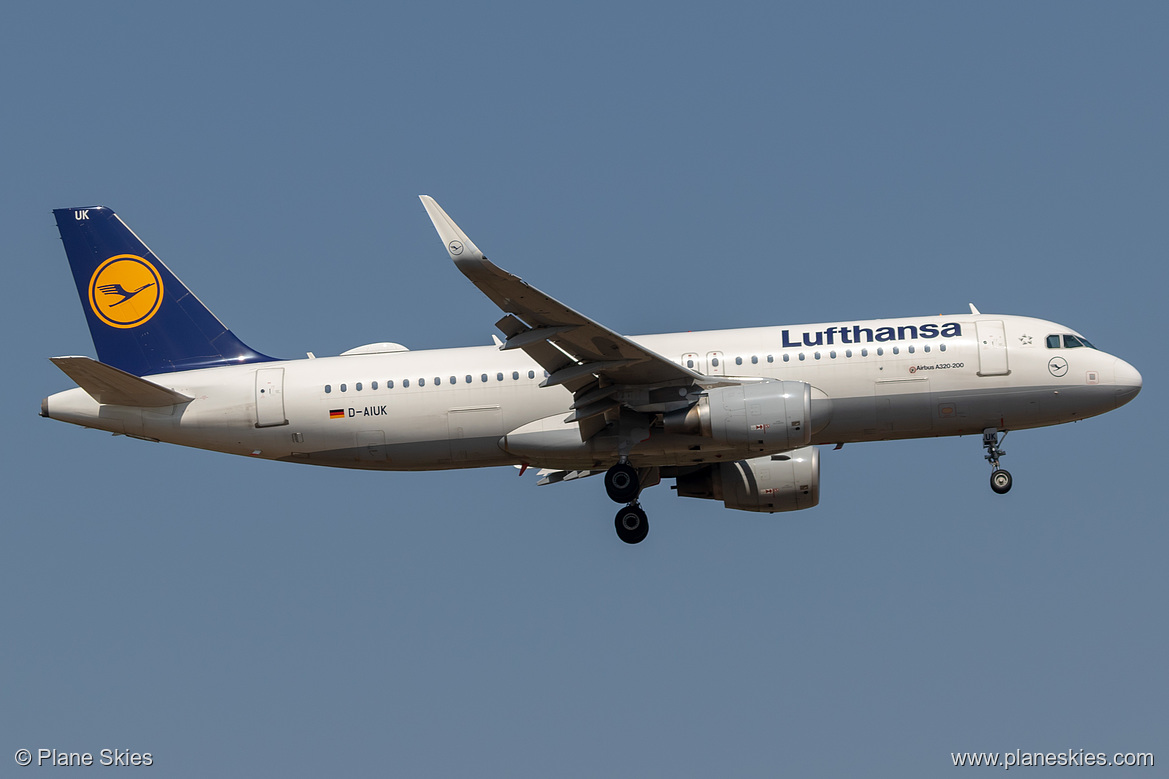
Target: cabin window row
{"type": "Point", "coordinates": [832, 355]}
{"type": "Point", "coordinates": [438, 381]}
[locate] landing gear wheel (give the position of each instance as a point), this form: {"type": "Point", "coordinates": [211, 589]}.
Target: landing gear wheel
{"type": "Point", "coordinates": [632, 524]}
{"type": "Point", "coordinates": [622, 484]}
{"type": "Point", "coordinates": [1000, 481]}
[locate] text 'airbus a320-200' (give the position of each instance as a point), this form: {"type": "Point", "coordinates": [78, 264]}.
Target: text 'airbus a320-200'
{"type": "Point", "coordinates": [731, 415]}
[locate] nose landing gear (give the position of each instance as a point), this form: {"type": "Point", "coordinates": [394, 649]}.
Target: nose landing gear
{"type": "Point", "coordinates": [623, 486]}
{"type": "Point", "coordinates": [1000, 479]}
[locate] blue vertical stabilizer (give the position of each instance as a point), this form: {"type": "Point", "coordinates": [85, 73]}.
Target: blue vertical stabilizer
{"type": "Point", "coordinates": [142, 318]}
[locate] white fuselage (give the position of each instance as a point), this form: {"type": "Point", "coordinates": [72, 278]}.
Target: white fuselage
{"type": "Point", "coordinates": [480, 406]}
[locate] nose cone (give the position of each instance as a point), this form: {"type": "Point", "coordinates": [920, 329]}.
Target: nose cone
{"type": "Point", "coordinates": [1128, 382]}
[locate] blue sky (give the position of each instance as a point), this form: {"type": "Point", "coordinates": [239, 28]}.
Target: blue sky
{"type": "Point", "coordinates": [658, 169]}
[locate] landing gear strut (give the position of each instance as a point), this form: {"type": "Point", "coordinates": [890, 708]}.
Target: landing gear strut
{"type": "Point", "coordinates": [623, 486]}
{"type": "Point", "coordinates": [1000, 479]}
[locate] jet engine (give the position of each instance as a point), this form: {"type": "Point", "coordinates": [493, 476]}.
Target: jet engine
{"type": "Point", "coordinates": [763, 416]}
{"type": "Point", "coordinates": [780, 482]}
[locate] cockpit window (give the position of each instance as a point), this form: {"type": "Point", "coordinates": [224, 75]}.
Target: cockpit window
{"type": "Point", "coordinates": [1069, 342]}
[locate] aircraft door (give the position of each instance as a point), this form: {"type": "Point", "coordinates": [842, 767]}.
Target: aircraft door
{"type": "Point", "coordinates": [992, 348]}
{"type": "Point", "coordinates": [691, 361]}
{"type": "Point", "coordinates": [270, 397]}
{"type": "Point", "coordinates": [714, 363]}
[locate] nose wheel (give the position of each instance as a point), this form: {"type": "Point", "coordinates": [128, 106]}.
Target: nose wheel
{"type": "Point", "coordinates": [1000, 479]}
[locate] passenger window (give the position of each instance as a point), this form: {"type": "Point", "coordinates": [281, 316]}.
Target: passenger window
{"type": "Point", "coordinates": [373, 385]}
{"type": "Point", "coordinates": [468, 378]}
{"type": "Point", "coordinates": [817, 355]}
{"type": "Point", "coordinates": [405, 382]}
{"type": "Point", "coordinates": [531, 374]}
{"type": "Point", "coordinates": [738, 361]}
{"type": "Point", "coordinates": [390, 384]}
{"type": "Point", "coordinates": [880, 351]}
{"type": "Point", "coordinates": [690, 364]}
{"type": "Point", "coordinates": [499, 376]}
{"type": "Point", "coordinates": [801, 356]}
{"type": "Point", "coordinates": [941, 347]}
{"type": "Point", "coordinates": [911, 350]}
{"type": "Point", "coordinates": [484, 377]}
{"type": "Point", "coordinates": [342, 387]}
{"type": "Point", "coordinates": [454, 380]}
{"type": "Point", "coordinates": [422, 382]}
{"type": "Point", "coordinates": [770, 358]}
{"type": "Point", "coordinates": [328, 388]}
{"type": "Point", "coordinates": [832, 354]}
{"type": "Point", "coordinates": [358, 386]}
{"type": "Point", "coordinates": [926, 347]}
{"type": "Point", "coordinates": [1053, 342]}
{"type": "Point", "coordinates": [864, 352]}
{"type": "Point", "coordinates": [515, 375]}
{"type": "Point", "coordinates": [787, 358]}
{"type": "Point", "coordinates": [848, 352]}
{"type": "Point", "coordinates": [437, 380]}
{"type": "Point", "coordinates": [714, 361]}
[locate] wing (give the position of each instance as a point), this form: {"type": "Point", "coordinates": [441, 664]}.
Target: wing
{"type": "Point", "coordinates": [603, 369]}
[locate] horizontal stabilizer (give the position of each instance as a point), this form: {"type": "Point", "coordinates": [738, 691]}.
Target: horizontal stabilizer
{"type": "Point", "coordinates": [108, 385]}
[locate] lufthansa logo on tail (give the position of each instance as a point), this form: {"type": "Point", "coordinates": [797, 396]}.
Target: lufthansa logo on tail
{"type": "Point", "coordinates": [125, 291]}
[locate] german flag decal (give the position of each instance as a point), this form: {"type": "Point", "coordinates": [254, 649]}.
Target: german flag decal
{"type": "Point", "coordinates": [337, 413]}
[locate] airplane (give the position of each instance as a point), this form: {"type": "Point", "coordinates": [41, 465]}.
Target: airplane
{"type": "Point", "coordinates": [730, 415]}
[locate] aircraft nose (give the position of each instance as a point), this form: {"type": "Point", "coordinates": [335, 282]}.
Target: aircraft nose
{"type": "Point", "coordinates": [1128, 382]}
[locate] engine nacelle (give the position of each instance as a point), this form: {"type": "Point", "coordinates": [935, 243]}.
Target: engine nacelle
{"type": "Point", "coordinates": [781, 482]}
{"type": "Point", "coordinates": [763, 416]}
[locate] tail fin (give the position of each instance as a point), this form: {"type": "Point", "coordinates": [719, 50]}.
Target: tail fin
{"type": "Point", "coordinates": [142, 319]}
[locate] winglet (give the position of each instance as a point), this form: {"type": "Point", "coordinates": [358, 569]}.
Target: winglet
{"type": "Point", "coordinates": [458, 245]}
{"type": "Point", "coordinates": [974, 310]}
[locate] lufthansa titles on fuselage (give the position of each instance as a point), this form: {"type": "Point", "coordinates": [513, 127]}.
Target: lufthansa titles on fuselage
{"type": "Point", "coordinates": [857, 334]}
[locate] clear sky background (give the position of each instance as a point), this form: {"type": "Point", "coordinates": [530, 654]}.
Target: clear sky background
{"type": "Point", "coordinates": [658, 167]}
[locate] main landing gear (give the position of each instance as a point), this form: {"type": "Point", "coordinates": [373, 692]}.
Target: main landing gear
{"type": "Point", "coordinates": [1000, 479]}
{"type": "Point", "coordinates": [623, 486]}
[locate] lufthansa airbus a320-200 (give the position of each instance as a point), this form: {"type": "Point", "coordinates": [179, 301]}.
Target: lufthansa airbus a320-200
{"type": "Point", "coordinates": [730, 415]}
